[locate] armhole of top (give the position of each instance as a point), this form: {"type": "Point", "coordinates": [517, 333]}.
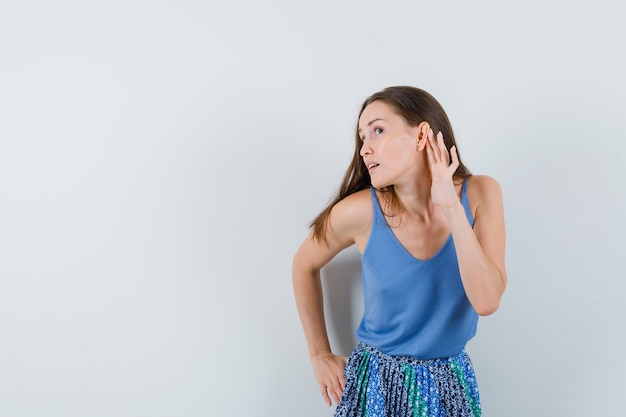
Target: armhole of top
{"type": "Point", "coordinates": [465, 203]}
{"type": "Point", "coordinates": [375, 205]}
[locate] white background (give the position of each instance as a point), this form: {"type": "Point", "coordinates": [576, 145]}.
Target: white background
{"type": "Point", "coordinates": [160, 160]}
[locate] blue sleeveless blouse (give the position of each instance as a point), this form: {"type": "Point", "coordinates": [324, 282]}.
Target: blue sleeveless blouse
{"type": "Point", "coordinates": [413, 307]}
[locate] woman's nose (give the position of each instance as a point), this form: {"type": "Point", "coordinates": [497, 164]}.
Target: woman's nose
{"type": "Point", "coordinates": [365, 149]}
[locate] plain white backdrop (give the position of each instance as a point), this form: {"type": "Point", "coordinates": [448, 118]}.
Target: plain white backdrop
{"type": "Point", "coordinates": [159, 163]}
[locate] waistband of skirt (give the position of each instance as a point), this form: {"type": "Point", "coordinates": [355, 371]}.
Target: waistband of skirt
{"type": "Point", "coordinates": [408, 360]}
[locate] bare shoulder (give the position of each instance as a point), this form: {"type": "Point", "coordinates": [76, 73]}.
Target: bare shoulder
{"type": "Point", "coordinates": [348, 222]}
{"type": "Point", "coordinates": [484, 194]}
{"type": "Point", "coordinates": [353, 212]}
{"type": "Point", "coordinates": [482, 186]}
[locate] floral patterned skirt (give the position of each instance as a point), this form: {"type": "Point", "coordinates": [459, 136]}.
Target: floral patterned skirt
{"type": "Point", "coordinates": [380, 385]}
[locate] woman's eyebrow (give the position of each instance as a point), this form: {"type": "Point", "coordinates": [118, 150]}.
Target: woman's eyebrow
{"type": "Point", "coordinates": [372, 121]}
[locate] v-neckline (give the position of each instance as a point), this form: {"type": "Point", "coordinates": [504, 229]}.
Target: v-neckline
{"type": "Point", "coordinates": [400, 244]}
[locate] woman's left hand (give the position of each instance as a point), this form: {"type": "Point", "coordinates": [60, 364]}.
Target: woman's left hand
{"type": "Point", "coordinates": [442, 190]}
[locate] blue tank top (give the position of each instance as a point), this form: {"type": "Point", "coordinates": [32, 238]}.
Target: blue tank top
{"type": "Point", "coordinates": [413, 307]}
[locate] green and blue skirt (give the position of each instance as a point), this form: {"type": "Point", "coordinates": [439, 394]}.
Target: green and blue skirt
{"type": "Point", "coordinates": [380, 385]}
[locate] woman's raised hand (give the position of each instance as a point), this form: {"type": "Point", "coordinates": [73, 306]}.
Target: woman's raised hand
{"type": "Point", "coordinates": [329, 371]}
{"type": "Point", "coordinates": [442, 190]}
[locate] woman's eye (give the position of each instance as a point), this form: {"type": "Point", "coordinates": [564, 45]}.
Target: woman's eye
{"type": "Point", "coordinates": [378, 131]}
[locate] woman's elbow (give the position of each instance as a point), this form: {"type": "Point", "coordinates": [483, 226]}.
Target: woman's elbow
{"type": "Point", "coordinates": [487, 309]}
{"type": "Point", "coordinates": [489, 304]}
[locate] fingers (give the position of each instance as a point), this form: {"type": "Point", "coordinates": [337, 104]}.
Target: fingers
{"type": "Point", "coordinates": [342, 379]}
{"type": "Point", "coordinates": [329, 371]}
{"type": "Point", "coordinates": [430, 149]}
{"type": "Point", "coordinates": [334, 390]}
{"type": "Point", "coordinates": [340, 382]}
{"type": "Point", "coordinates": [455, 159]}
{"type": "Point", "coordinates": [326, 397]}
{"type": "Point", "coordinates": [436, 149]}
{"type": "Point", "coordinates": [441, 148]}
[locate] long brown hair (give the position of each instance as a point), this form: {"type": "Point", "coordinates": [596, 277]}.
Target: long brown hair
{"type": "Point", "coordinates": [415, 106]}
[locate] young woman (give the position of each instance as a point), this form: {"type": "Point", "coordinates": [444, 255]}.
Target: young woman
{"type": "Point", "coordinates": [431, 237]}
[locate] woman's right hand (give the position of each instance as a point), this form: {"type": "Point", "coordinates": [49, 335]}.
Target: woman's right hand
{"type": "Point", "coordinates": [329, 370]}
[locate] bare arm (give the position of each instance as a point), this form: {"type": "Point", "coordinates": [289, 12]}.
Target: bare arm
{"type": "Point", "coordinates": [348, 221]}
{"type": "Point", "coordinates": [480, 251]}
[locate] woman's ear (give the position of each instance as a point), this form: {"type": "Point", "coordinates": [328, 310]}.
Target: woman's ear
{"type": "Point", "coordinates": [422, 135]}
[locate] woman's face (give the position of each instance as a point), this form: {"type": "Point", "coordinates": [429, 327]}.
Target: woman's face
{"type": "Point", "coordinates": [389, 145]}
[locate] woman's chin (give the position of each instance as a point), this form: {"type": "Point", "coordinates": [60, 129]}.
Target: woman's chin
{"type": "Point", "coordinates": [379, 184]}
